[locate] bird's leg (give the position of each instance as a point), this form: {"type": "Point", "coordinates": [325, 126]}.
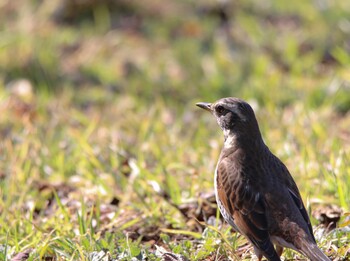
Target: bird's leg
{"type": "Point", "coordinates": [279, 250]}
{"type": "Point", "coordinates": [258, 253]}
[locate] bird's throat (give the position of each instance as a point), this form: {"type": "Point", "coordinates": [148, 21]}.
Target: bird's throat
{"type": "Point", "coordinates": [230, 139]}
{"type": "Point", "coordinates": [242, 141]}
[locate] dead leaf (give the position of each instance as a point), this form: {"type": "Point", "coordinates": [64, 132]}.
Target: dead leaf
{"type": "Point", "coordinates": [22, 255]}
{"type": "Point", "coordinates": [328, 216]}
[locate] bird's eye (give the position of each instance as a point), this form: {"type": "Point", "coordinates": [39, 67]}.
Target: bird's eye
{"type": "Point", "coordinates": [220, 109]}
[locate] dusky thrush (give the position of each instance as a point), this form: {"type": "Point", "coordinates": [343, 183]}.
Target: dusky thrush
{"type": "Point", "coordinates": [254, 190]}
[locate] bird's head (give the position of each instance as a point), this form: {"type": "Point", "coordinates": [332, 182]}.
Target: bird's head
{"type": "Point", "coordinates": [235, 117]}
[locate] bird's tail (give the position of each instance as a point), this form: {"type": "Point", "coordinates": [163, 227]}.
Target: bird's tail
{"type": "Point", "coordinates": [313, 252]}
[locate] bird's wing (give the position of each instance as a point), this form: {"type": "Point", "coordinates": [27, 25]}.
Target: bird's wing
{"type": "Point", "coordinates": [295, 194]}
{"type": "Point", "coordinates": [246, 206]}
{"type": "Point", "coordinates": [309, 249]}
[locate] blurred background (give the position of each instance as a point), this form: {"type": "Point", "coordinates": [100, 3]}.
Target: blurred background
{"type": "Point", "coordinates": [181, 51]}
{"type": "Point", "coordinates": [102, 147]}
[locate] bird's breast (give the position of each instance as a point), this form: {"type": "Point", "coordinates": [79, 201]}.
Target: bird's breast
{"type": "Point", "coordinates": [225, 213]}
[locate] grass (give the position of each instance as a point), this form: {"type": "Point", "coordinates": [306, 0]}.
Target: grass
{"type": "Point", "coordinates": [105, 153]}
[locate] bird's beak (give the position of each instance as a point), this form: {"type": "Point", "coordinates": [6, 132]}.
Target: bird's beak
{"type": "Point", "coordinates": [204, 105]}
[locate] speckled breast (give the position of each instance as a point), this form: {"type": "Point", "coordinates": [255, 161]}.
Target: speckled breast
{"type": "Point", "coordinates": [227, 216]}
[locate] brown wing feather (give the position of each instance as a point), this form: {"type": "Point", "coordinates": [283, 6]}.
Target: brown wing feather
{"type": "Point", "coordinates": [295, 194]}
{"type": "Point", "coordinates": [299, 202]}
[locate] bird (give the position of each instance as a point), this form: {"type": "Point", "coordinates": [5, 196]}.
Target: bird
{"type": "Point", "coordinates": [254, 190]}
